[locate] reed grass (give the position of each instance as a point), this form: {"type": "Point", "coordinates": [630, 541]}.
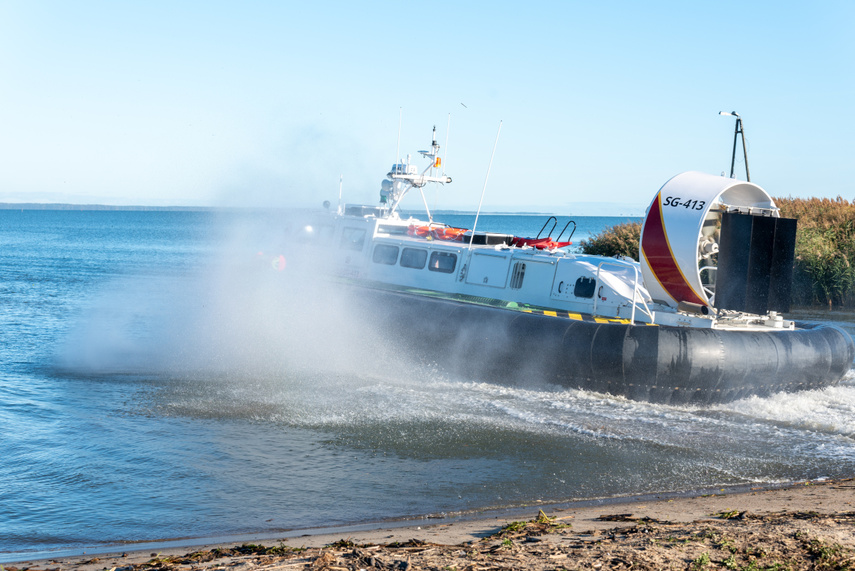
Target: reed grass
{"type": "Point", "coordinates": [824, 272]}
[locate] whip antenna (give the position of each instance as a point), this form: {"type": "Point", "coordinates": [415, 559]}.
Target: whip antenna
{"type": "Point", "coordinates": [445, 155]}
{"type": "Point", "coordinates": [483, 190]}
{"type": "Point", "coordinates": [398, 148]}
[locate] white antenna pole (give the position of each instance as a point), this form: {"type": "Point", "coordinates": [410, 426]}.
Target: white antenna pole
{"type": "Point", "coordinates": [340, 179]}
{"type": "Point", "coordinates": [398, 148]}
{"type": "Point", "coordinates": [444, 159]}
{"type": "Point", "coordinates": [483, 190]}
{"type": "Point", "coordinates": [445, 155]}
{"type": "Point", "coordinates": [430, 218]}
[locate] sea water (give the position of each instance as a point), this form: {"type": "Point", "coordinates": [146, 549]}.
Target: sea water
{"type": "Point", "coordinates": [161, 378]}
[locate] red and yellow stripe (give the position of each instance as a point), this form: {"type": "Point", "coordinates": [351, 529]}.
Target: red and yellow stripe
{"type": "Point", "coordinates": [660, 258]}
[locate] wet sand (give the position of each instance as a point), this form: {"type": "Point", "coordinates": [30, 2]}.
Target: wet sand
{"type": "Point", "coordinates": [801, 526]}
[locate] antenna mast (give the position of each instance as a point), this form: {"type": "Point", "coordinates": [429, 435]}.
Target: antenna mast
{"type": "Point", "coordinates": [738, 130]}
{"type": "Point", "coordinates": [445, 156]}
{"type": "Point", "coordinates": [405, 176]}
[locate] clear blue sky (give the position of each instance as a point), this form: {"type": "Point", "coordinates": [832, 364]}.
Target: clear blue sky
{"type": "Point", "coordinates": [209, 102]}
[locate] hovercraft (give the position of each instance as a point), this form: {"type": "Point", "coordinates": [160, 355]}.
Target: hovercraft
{"type": "Point", "coordinates": [698, 319]}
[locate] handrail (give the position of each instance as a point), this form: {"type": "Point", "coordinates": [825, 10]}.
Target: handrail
{"type": "Point", "coordinates": [554, 222]}
{"type": "Point", "coordinates": [635, 297]}
{"type": "Point", "coordinates": [570, 237]}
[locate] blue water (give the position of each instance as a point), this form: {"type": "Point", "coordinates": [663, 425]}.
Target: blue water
{"type": "Point", "coordinates": [160, 380]}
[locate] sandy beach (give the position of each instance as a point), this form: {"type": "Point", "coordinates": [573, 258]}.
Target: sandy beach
{"type": "Point", "coordinates": [809, 525]}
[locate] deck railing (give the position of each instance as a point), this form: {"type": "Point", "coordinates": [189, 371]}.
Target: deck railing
{"type": "Point", "coordinates": [637, 301]}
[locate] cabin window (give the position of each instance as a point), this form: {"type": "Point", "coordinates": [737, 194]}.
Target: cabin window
{"type": "Point", "coordinates": [442, 262]}
{"type": "Point", "coordinates": [517, 275]}
{"type": "Point", "coordinates": [413, 258]}
{"type": "Point", "coordinates": [352, 239]}
{"type": "Point", "coordinates": [585, 287]}
{"type": "Point", "coordinates": [318, 233]}
{"type": "Point", "coordinates": [385, 254]}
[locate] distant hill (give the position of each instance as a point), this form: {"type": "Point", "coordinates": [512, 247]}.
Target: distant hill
{"type": "Point", "coordinates": [577, 209]}
{"type": "Point", "coordinates": [55, 206]}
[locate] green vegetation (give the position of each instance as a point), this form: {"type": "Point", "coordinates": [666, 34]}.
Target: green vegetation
{"type": "Point", "coordinates": [826, 554]}
{"type": "Point", "coordinates": [825, 250]}
{"type": "Point", "coordinates": [619, 240]}
{"type": "Point", "coordinates": [824, 271]}
{"type": "Point", "coordinates": [701, 562]}
{"type": "Point", "coordinates": [540, 525]}
{"type": "Point", "coordinates": [515, 526]}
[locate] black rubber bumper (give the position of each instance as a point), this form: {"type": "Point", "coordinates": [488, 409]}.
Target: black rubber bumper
{"type": "Point", "coordinates": [660, 364]}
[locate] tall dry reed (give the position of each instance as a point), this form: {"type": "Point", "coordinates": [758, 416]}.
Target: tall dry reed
{"type": "Point", "coordinates": [824, 270]}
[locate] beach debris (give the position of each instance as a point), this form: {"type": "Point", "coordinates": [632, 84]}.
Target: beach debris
{"type": "Point", "coordinates": [799, 540]}
{"type": "Point", "coordinates": [732, 514]}
{"type": "Point", "coordinates": [615, 517]}
{"type": "Point", "coordinates": [631, 518]}
{"type": "Point", "coordinates": [540, 525]}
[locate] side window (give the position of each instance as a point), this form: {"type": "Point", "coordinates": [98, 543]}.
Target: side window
{"type": "Point", "coordinates": [385, 254]}
{"type": "Point", "coordinates": [413, 258]}
{"type": "Point", "coordinates": [585, 287]}
{"type": "Point", "coordinates": [352, 239]}
{"type": "Point", "coordinates": [517, 275]}
{"type": "Point", "coordinates": [442, 262]}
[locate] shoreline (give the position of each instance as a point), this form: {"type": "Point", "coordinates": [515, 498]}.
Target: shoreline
{"type": "Point", "coordinates": [409, 521]}
{"type": "Point", "coordinates": [791, 503]}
